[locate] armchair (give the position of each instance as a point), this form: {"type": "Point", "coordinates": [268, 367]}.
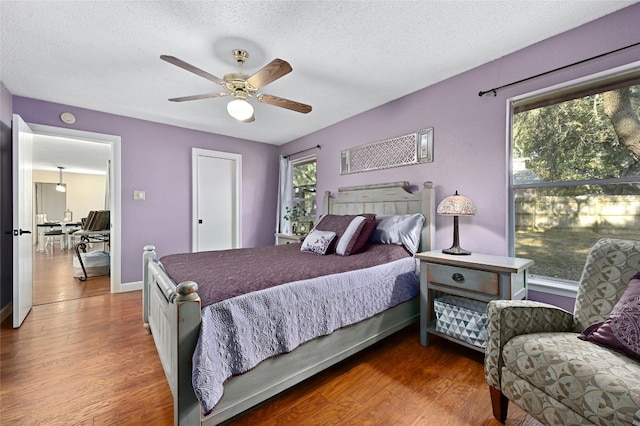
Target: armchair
{"type": "Point", "coordinates": [535, 358]}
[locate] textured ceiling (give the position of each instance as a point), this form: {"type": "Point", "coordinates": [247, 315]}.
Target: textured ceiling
{"type": "Point", "coordinates": [347, 56]}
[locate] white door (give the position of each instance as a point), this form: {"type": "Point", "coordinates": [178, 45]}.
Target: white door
{"type": "Point", "coordinates": [216, 200]}
{"type": "Point", "coordinates": [22, 220]}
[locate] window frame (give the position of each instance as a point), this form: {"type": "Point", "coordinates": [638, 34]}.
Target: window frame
{"type": "Point", "coordinates": [605, 80]}
{"type": "Point", "coordinates": [299, 162]}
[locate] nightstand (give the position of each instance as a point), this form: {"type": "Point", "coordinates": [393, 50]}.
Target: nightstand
{"type": "Point", "coordinates": [478, 277]}
{"type": "Point", "coordinates": [282, 239]}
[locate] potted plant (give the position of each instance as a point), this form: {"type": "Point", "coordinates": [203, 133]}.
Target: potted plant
{"type": "Point", "coordinates": [294, 215]}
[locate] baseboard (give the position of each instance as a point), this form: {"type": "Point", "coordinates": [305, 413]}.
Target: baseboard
{"type": "Point", "coordinates": [6, 311]}
{"type": "Point", "coordinates": [133, 286]}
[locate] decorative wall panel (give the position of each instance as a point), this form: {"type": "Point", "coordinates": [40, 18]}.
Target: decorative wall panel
{"type": "Point", "coordinates": [404, 150]}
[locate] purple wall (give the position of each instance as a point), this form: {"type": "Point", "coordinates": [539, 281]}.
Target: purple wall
{"type": "Point", "coordinates": [470, 146]}
{"type": "Point", "coordinates": [156, 158]}
{"type": "Point", "coordinates": [566, 303]}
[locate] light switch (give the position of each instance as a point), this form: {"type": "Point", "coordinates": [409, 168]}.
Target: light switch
{"type": "Point", "coordinates": [138, 195]}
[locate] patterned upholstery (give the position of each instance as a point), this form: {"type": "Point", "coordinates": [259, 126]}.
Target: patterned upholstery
{"type": "Point", "coordinates": [536, 360]}
{"type": "Point", "coordinates": [610, 265]}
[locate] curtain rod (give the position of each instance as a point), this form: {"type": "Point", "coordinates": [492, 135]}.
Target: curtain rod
{"type": "Point", "coordinates": [304, 150]}
{"type": "Point", "coordinates": [495, 89]}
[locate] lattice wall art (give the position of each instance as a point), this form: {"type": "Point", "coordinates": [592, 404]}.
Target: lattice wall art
{"type": "Point", "coordinates": [411, 148]}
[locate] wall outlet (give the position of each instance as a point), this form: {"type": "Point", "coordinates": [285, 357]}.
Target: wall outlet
{"type": "Point", "coordinates": [138, 195]}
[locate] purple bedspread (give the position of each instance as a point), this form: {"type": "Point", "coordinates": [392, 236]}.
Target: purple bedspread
{"type": "Point", "coordinates": [225, 274]}
{"type": "Point", "coordinates": [239, 333]}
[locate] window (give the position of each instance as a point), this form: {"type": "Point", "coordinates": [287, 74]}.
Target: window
{"type": "Point", "coordinates": [304, 186]}
{"type": "Point", "coordinates": [576, 172]}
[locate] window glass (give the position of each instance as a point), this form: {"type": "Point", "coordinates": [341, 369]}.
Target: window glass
{"type": "Point", "coordinates": [576, 173]}
{"type": "Point", "coordinates": [304, 187]}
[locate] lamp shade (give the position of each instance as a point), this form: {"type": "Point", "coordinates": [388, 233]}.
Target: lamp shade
{"type": "Point", "coordinates": [456, 205]}
{"type": "Point", "coordinates": [240, 109]}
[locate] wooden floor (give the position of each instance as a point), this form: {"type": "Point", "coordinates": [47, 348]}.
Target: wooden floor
{"type": "Point", "coordinates": [53, 279]}
{"type": "Point", "coordinates": [87, 361]}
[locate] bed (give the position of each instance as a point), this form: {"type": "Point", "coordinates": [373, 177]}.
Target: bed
{"type": "Point", "coordinates": [173, 315]}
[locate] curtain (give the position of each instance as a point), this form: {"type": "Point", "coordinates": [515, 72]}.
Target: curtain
{"type": "Point", "coordinates": [285, 195]}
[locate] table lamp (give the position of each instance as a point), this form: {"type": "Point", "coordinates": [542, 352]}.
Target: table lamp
{"type": "Point", "coordinates": [456, 205]}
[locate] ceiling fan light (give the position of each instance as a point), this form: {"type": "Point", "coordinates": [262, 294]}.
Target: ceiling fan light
{"type": "Point", "coordinates": [240, 109]}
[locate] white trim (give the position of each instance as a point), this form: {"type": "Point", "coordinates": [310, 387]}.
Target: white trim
{"type": "Point", "coordinates": [509, 222]}
{"type": "Point", "coordinates": [133, 286]}
{"type": "Point", "coordinates": [557, 288]}
{"type": "Point", "coordinates": [195, 153]}
{"type": "Point", "coordinates": [115, 204]}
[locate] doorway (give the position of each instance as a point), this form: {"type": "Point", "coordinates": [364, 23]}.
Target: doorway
{"type": "Point", "coordinates": [54, 273]}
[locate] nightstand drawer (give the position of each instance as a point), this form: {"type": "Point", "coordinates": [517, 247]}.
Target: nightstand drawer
{"type": "Point", "coordinates": [468, 279]}
{"type": "Point", "coordinates": [288, 239]}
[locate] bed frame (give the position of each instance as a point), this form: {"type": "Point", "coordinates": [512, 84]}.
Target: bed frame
{"type": "Point", "coordinates": [172, 315]}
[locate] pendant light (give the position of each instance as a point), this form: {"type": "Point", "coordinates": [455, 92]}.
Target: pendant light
{"type": "Point", "coordinates": [61, 187]}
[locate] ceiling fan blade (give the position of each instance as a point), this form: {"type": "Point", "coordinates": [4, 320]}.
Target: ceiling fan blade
{"type": "Point", "coordinates": [182, 64]}
{"type": "Point", "coordinates": [196, 97]}
{"type": "Point", "coordinates": [269, 73]}
{"type": "Point", "coordinates": [284, 103]}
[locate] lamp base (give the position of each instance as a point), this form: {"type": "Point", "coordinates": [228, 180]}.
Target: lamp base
{"type": "Point", "coordinates": [456, 250]}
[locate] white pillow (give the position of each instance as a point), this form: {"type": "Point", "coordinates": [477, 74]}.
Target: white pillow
{"type": "Point", "coordinates": [317, 241]}
{"type": "Point", "coordinates": [345, 238]}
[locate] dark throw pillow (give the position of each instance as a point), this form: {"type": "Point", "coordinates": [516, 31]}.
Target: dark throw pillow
{"type": "Point", "coordinates": [340, 223]}
{"type": "Point", "coordinates": [621, 331]}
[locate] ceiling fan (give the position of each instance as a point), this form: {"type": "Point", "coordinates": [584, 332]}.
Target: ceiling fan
{"type": "Point", "coordinates": [242, 86]}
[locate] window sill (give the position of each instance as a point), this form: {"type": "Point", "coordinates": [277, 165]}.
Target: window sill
{"type": "Point", "coordinates": [555, 287]}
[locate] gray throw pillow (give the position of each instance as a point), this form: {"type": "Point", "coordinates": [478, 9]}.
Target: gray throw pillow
{"type": "Point", "coordinates": [403, 229]}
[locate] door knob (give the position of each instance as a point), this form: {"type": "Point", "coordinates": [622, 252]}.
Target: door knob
{"type": "Point", "coordinates": [17, 232]}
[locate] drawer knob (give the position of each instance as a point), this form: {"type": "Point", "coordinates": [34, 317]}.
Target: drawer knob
{"type": "Point", "coordinates": [459, 278]}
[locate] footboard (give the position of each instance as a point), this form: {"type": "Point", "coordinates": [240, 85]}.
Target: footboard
{"type": "Point", "coordinates": [172, 315]}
